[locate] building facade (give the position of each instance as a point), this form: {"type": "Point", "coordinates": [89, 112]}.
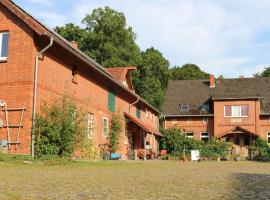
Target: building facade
{"type": "Point", "coordinates": [27, 45]}
{"type": "Point", "coordinates": [235, 109]}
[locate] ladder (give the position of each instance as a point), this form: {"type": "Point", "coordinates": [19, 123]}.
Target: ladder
{"type": "Point", "coordinates": [13, 126]}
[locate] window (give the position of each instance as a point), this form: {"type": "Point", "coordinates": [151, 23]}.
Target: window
{"type": "Point", "coordinates": [268, 137]}
{"type": "Point", "coordinates": [205, 120]}
{"type": "Point", "coordinates": [205, 107]}
{"type": "Point", "coordinates": [138, 112]}
{"type": "Point", "coordinates": [269, 119]}
{"type": "Point", "coordinates": [111, 101]}
{"type": "Point", "coordinates": [105, 128]}
{"type": "Point", "coordinates": [184, 107]}
{"type": "Point", "coordinates": [236, 111]}
{"type": "Point", "coordinates": [189, 135]}
{"type": "Point", "coordinates": [3, 46]}
{"type": "Point", "coordinates": [75, 74]}
{"type": "Point", "coordinates": [90, 125]}
{"type": "Point", "coordinates": [205, 136]}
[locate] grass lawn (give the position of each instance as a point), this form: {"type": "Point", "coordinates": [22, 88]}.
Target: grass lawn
{"type": "Point", "coordinates": [149, 180]}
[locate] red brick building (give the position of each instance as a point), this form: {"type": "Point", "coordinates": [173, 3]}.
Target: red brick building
{"type": "Point", "coordinates": [236, 109]}
{"type": "Point", "coordinates": [27, 45]}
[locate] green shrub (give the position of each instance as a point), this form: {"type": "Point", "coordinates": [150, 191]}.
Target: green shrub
{"type": "Point", "coordinates": [176, 144]}
{"type": "Point", "coordinates": [60, 129]}
{"type": "Point", "coordinates": [115, 130]}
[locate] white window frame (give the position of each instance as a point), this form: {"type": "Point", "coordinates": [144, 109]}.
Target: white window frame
{"type": "Point", "coordinates": [204, 136]}
{"type": "Point", "coordinates": [90, 119]}
{"type": "Point", "coordinates": [184, 105]}
{"type": "Point", "coordinates": [240, 106]}
{"type": "Point", "coordinates": [103, 127]}
{"type": "Point", "coordinates": [268, 136]}
{"type": "Point", "coordinates": [188, 132]}
{"type": "Point", "coordinates": [205, 120]}
{"type": "Point", "coordinates": [1, 38]}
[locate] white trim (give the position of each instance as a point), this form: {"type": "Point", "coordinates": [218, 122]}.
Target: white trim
{"type": "Point", "coordinates": [1, 39]}
{"type": "Point", "coordinates": [183, 105]}
{"type": "Point", "coordinates": [105, 118]}
{"type": "Point", "coordinates": [204, 136]}
{"type": "Point", "coordinates": [189, 136]}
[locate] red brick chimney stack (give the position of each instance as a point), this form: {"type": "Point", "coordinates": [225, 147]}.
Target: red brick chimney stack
{"type": "Point", "coordinates": [212, 81]}
{"type": "Point", "coordinates": [74, 44]}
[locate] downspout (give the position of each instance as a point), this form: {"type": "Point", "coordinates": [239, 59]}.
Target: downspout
{"type": "Point", "coordinates": [138, 99]}
{"type": "Point", "coordinates": [35, 94]}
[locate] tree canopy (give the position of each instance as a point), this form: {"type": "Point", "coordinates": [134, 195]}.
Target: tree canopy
{"type": "Point", "coordinates": [264, 73]}
{"type": "Point", "coordinates": [152, 77]}
{"type": "Point", "coordinates": [188, 72]}
{"type": "Point", "coordinates": [105, 38]}
{"type": "Point", "coordinates": [108, 39]}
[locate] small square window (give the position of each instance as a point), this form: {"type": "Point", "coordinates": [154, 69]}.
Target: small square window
{"type": "Point", "coordinates": [3, 46]}
{"type": "Point", "coordinates": [189, 135]}
{"type": "Point", "coordinates": [184, 107]}
{"type": "Point", "coordinates": [205, 136]}
{"type": "Point", "coordinates": [268, 137]}
{"type": "Point", "coordinates": [205, 120]}
{"type": "Point", "coordinates": [205, 107]}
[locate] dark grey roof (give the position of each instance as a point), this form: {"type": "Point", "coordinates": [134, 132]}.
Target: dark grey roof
{"type": "Point", "coordinates": [197, 92]}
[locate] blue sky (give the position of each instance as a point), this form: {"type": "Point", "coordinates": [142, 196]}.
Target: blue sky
{"type": "Point", "coordinates": [226, 37]}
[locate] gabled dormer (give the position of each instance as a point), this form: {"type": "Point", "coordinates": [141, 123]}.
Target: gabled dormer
{"type": "Point", "coordinates": [123, 75]}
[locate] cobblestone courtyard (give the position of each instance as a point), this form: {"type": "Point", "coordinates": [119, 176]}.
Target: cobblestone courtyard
{"type": "Point", "coordinates": [136, 180]}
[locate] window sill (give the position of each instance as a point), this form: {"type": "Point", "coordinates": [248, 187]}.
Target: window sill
{"type": "Point", "coordinates": [3, 61]}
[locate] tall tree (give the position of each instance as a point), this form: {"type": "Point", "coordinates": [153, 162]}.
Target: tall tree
{"type": "Point", "coordinates": [152, 77]}
{"type": "Point", "coordinates": [188, 72]}
{"type": "Point", "coordinates": [264, 73]}
{"type": "Point", "coordinates": [105, 38]}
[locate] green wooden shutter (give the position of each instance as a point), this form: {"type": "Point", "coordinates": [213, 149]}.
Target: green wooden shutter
{"type": "Point", "coordinates": [111, 101]}
{"type": "Point", "coordinates": [138, 112]}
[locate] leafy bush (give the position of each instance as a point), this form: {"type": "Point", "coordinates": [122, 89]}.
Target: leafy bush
{"type": "Point", "coordinates": [177, 144]}
{"type": "Point", "coordinates": [60, 128]}
{"type": "Point", "coordinates": [115, 130]}
{"type": "Point", "coordinates": [261, 150]}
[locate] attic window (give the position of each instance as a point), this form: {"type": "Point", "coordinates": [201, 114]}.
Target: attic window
{"type": "Point", "coordinates": [205, 107]}
{"type": "Point", "coordinates": [75, 74]}
{"type": "Point", "coordinates": [184, 107]}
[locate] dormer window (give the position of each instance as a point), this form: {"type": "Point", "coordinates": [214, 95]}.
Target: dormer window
{"type": "Point", "coordinates": [205, 107]}
{"type": "Point", "coordinates": [184, 107]}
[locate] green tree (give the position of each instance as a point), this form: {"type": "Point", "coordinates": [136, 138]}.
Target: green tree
{"type": "Point", "coordinates": [188, 72]}
{"type": "Point", "coordinates": [71, 32]}
{"type": "Point", "coordinates": [264, 73]}
{"type": "Point", "coordinates": [152, 77]}
{"type": "Point", "coordinates": [105, 38]}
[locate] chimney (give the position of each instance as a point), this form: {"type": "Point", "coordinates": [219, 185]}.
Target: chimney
{"type": "Point", "coordinates": [241, 76]}
{"type": "Point", "coordinates": [212, 81]}
{"type": "Point", "coordinates": [74, 44]}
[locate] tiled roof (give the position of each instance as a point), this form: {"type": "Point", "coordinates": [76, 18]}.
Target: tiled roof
{"type": "Point", "coordinates": [197, 92]}
{"type": "Point", "coordinates": [120, 73]}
